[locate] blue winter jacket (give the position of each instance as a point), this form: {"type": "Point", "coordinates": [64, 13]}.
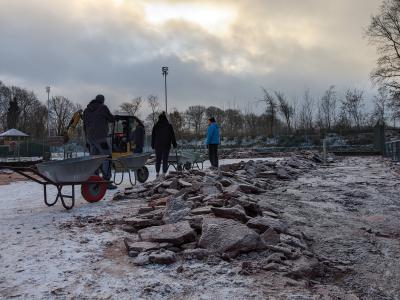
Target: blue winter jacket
{"type": "Point", "coordinates": [212, 134]}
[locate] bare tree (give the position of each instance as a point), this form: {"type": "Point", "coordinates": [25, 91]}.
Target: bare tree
{"type": "Point", "coordinates": [251, 122]}
{"type": "Point", "coordinates": [306, 114]}
{"type": "Point", "coordinates": [154, 104]}
{"type": "Point", "coordinates": [384, 32]}
{"type": "Point", "coordinates": [233, 124]}
{"type": "Point", "coordinates": [132, 107]}
{"type": "Point", "coordinates": [381, 105]}
{"type": "Point", "coordinates": [327, 108]}
{"type": "Point", "coordinates": [216, 112]}
{"type": "Point", "coordinates": [286, 109]}
{"type": "Point", "coordinates": [177, 121]}
{"type": "Point", "coordinates": [195, 118]}
{"type": "Point", "coordinates": [61, 111]}
{"type": "Point", "coordinates": [5, 98]}
{"type": "Point", "coordinates": [271, 111]}
{"type": "Point", "coordinates": [353, 106]}
{"type": "Point", "coordinates": [38, 120]}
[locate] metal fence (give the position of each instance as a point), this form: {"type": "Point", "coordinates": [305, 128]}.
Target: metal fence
{"type": "Point", "coordinates": [392, 150]}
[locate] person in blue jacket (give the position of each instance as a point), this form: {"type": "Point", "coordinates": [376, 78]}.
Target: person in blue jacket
{"type": "Point", "coordinates": [212, 141]}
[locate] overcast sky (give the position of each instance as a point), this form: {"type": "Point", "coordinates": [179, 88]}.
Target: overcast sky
{"type": "Point", "coordinates": [218, 52]}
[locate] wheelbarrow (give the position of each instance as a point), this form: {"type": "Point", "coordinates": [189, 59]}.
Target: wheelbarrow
{"type": "Point", "coordinates": [187, 160]}
{"type": "Point", "coordinates": [68, 172]}
{"type": "Point", "coordinates": [131, 163]}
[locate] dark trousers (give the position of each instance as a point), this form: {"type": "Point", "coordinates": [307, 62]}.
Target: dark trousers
{"type": "Point", "coordinates": [162, 157]}
{"type": "Point", "coordinates": [138, 150]}
{"type": "Point", "coordinates": [213, 154]}
{"type": "Point", "coordinates": [102, 147]}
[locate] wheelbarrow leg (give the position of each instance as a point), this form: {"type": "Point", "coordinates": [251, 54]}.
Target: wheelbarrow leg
{"type": "Point", "coordinates": [62, 196]}
{"type": "Point", "coordinates": [45, 196]}
{"type": "Point", "coordinates": [130, 177]}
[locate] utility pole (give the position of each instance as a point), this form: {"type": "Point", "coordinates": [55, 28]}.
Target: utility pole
{"type": "Point", "coordinates": [165, 73]}
{"type": "Point", "coordinates": [48, 109]}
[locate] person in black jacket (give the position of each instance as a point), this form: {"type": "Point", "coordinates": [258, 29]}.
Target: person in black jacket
{"type": "Point", "coordinates": [96, 118]}
{"type": "Point", "coordinates": [161, 139]}
{"type": "Point", "coordinates": [138, 137]}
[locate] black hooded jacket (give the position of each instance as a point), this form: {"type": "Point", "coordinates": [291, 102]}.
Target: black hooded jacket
{"type": "Point", "coordinates": [96, 117]}
{"type": "Point", "coordinates": [138, 136]}
{"type": "Point", "coordinates": [163, 135]}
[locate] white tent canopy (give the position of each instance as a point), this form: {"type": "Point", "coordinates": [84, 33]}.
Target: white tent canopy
{"type": "Point", "coordinates": [13, 133]}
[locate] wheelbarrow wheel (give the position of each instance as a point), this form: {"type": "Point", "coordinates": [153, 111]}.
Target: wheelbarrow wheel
{"type": "Point", "coordinates": [142, 174]}
{"type": "Point", "coordinates": [93, 192]}
{"type": "Point", "coordinates": [187, 166]}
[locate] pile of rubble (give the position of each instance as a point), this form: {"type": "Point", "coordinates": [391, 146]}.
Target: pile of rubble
{"type": "Point", "coordinates": [199, 215]}
{"type": "Point", "coordinates": [248, 153]}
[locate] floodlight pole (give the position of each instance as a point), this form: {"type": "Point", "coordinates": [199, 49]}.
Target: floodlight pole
{"type": "Point", "coordinates": [165, 73]}
{"type": "Point", "coordinates": [48, 109]}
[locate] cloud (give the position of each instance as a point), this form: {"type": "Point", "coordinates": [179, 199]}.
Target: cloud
{"type": "Point", "coordinates": [117, 47]}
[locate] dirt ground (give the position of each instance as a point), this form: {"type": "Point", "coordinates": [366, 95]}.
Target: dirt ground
{"type": "Point", "coordinates": [350, 209]}
{"type": "Point", "coordinates": [7, 178]}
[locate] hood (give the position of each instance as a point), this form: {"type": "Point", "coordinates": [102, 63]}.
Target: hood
{"type": "Point", "coordinates": [94, 105]}
{"type": "Point", "coordinates": [162, 120]}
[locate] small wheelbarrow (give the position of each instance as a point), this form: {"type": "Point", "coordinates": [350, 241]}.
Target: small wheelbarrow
{"type": "Point", "coordinates": [68, 172]}
{"type": "Point", "coordinates": [131, 163]}
{"type": "Point", "coordinates": [186, 160]}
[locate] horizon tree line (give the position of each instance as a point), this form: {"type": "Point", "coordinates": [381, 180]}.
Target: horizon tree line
{"type": "Point", "coordinates": [280, 115]}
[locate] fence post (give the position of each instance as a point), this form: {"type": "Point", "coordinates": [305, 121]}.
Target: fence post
{"type": "Point", "coordinates": [324, 149]}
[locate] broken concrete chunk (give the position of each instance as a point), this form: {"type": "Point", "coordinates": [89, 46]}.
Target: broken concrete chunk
{"type": "Point", "coordinates": [251, 207]}
{"type": "Point", "coordinates": [250, 189]}
{"type": "Point", "coordinates": [225, 182]}
{"type": "Point", "coordinates": [196, 253]}
{"type": "Point", "coordinates": [215, 202]}
{"type": "Point", "coordinates": [192, 245]}
{"type": "Point", "coordinates": [144, 210]}
{"type": "Point", "coordinates": [209, 189]}
{"type": "Point", "coordinates": [172, 191]}
{"type": "Point", "coordinates": [129, 228]}
{"type": "Point", "coordinates": [196, 222]}
{"type": "Point", "coordinates": [142, 259]}
{"type": "Point", "coordinates": [270, 237]}
{"type": "Point", "coordinates": [292, 241]}
{"type": "Point", "coordinates": [305, 268]}
{"type": "Point", "coordinates": [162, 257]}
{"type": "Point", "coordinates": [261, 224]}
{"type": "Point", "coordinates": [141, 246]}
{"type": "Point", "coordinates": [198, 198]}
{"type": "Point", "coordinates": [166, 183]}
{"type": "Point", "coordinates": [236, 213]}
{"type": "Point", "coordinates": [177, 208]}
{"type": "Point", "coordinates": [177, 234]}
{"type": "Point", "coordinates": [282, 174]}
{"type": "Point", "coordinates": [203, 210]}
{"type": "Point", "coordinates": [159, 201]}
{"type": "Point", "coordinates": [142, 223]}
{"type": "Point", "coordinates": [184, 184]}
{"type": "Point", "coordinates": [275, 258]}
{"type": "Point", "coordinates": [226, 235]}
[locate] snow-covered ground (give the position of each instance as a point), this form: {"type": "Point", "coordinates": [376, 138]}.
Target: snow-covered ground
{"type": "Point", "coordinates": [351, 209]}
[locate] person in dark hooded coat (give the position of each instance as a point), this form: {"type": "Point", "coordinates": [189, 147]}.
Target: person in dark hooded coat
{"type": "Point", "coordinates": [138, 137]}
{"type": "Point", "coordinates": [96, 119]}
{"type": "Point", "coordinates": [162, 137]}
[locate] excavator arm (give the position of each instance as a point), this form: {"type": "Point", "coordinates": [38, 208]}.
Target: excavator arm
{"type": "Point", "coordinates": [76, 118]}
